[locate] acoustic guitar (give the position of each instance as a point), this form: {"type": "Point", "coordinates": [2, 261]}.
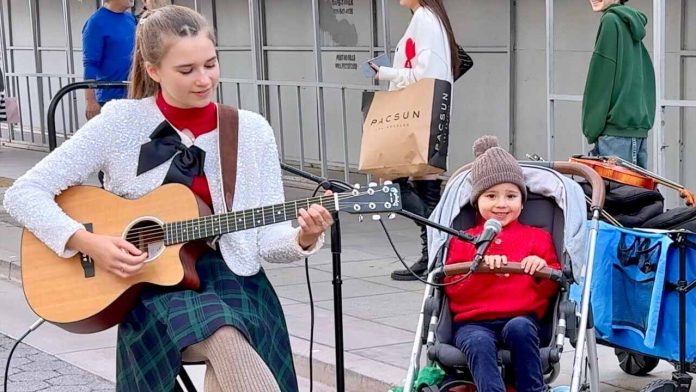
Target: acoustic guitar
{"type": "Point", "coordinates": [171, 224]}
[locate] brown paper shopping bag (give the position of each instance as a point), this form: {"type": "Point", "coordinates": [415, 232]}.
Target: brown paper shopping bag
{"type": "Point", "coordinates": [9, 109]}
{"type": "Point", "coordinates": [405, 132]}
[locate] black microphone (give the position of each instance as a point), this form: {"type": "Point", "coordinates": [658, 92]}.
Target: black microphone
{"type": "Point", "coordinates": [490, 229]}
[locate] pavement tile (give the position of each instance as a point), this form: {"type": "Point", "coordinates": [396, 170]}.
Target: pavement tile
{"type": "Point", "coordinates": [9, 246]}
{"type": "Point", "coordinates": [34, 370]}
{"type": "Point", "coordinates": [323, 291]}
{"type": "Point", "coordinates": [98, 361]}
{"type": "Point", "coordinates": [15, 162]}
{"type": "Point", "coordinates": [39, 364]}
{"type": "Point", "coordinates": [409, 285]}
{"type": "Point", "coordinates": [77, 388]}
{"type": "Point", "coordinates": [27, 386]}
{"type": "Point", "coordinates": [32, 376]}
{"type": "Point", "coordinates": [393, 354]}
{"type": "Point", "coordinates": [286, 301]}
{"type": "Point", "coordinates": [324, 256]}
{"type": "Point", "coordinates": [296, 275]}
{"type": "Point", "coordinates": [73, 379]}
{"type": "Point", "coordinates": [404, 321]}
{"type": "Point", "coordinates": [357, 334]}
{"type": "Point", "coordinates": [364, 268]}
{"type": "Point", "coordinates": [376, 306]}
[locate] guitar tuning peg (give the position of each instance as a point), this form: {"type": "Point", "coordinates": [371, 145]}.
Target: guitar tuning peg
{"type": "Point", "coordinates": [391, 216]}
{"type": "Point", "coordinates": [372, 184]}
{"type": "Point", "coordinates": [361, 218]}
{"type": "Point", "coordinates": [388, 182]}
{"type": "Point", "coordinates": [376, 217]}
{"type": "Point", "coordinates": [356, 186]}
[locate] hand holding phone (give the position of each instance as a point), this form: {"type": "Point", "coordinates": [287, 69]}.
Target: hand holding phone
{"type": "Point", "coordinates": [370, 67]}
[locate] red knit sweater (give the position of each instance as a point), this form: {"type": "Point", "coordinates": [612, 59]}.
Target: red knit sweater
{"type": "Point", "coordinates": [198, 121]}
{"type": "Point", "coordinates": [486, 296]}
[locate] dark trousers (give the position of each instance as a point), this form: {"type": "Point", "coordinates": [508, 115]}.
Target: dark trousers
{"type": "Point", "coordinates": [410, 199]}
{"type": "Point", "coordinates": [479, 341]}
{"type": "Point", "coordinates": [419, 197]}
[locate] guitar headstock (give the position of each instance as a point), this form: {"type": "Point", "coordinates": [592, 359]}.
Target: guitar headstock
{"type": "Point", "coordinates": [372, 199]}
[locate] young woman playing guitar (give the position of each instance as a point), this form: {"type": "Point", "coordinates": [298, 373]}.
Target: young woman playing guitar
{"type": "Point", "coordinates": [167, 132]}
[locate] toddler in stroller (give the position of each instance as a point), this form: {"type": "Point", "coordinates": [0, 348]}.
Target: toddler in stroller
{"type": "Point", "coordinates": [501, 310]}
{"type": "Point", "coordinates": [555, 207]}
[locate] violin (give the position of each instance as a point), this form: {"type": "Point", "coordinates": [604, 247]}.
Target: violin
{"type": "Point", "coordinates": [609, 218]}
{"type": "Point", "coordinates": [610, 169]}
{"type": "Point", "coordinates": [622, 171]}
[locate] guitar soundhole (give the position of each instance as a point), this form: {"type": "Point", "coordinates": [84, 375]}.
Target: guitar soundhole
{"type": "Point", "coordinates": [148, 236]}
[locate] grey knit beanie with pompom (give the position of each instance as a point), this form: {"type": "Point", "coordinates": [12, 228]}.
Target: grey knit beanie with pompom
{"type": "Point", "coordinates": [492, 166]}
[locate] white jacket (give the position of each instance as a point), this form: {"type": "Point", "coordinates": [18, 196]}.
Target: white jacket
{"type": "Point", "coordinates": [111, 143]}
{"type": "Point", "coordinates": [432, 58]}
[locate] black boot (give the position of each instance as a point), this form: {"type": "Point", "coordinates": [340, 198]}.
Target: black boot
{"type": "Point", "coordinates": [419, 267]}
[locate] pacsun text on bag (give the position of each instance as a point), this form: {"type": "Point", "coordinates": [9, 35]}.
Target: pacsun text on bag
{"type": "Point", "coordinates": [443, 127]}
{"type": "Point", "coordinates": [395, 117]}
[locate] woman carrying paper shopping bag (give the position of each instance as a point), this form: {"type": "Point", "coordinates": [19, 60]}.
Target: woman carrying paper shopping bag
{"type": "Point", "coordinates": [427, 50]}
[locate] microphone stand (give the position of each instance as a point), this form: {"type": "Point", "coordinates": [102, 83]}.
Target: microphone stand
{"type": "Point", "coordinates": [337, 282]}
{"type": "Point", "coordinates": [457, 233]}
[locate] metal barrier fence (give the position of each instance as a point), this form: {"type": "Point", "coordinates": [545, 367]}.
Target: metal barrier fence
{"type": "Point", "coordinates": [30, 132]}
{"type": "Point", "coordinates": [295, 110]}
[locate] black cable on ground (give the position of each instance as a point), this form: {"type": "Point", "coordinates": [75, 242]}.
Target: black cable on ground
{"type": "Point", "coordinates": [9, 357]}
{"type": "Point", "coordinates": [311, 312]}
{"type": "Point", "coordinates": [311, 326]}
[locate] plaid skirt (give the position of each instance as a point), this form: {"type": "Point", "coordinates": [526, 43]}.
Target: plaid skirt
{"type": "Point", "coordinates": [155, 333]}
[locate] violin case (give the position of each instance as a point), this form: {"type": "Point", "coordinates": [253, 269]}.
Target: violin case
{"type": "Point", "coordinates": [629, 205]}
{"type": "Point", "coordinates": [674, 219]}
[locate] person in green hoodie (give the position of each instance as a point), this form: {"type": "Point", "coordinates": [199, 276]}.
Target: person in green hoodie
{"type": "Point", "coordinates": [618, 107]}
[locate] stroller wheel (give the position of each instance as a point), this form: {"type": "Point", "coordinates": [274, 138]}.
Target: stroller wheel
{"type": "Point", "coordinates": [636, 364]}
{"type": "Point", "coordinates": [661, 386]}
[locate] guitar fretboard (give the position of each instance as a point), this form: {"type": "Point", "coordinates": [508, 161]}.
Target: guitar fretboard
{"type": "Point", "coordinates": [214, 225]}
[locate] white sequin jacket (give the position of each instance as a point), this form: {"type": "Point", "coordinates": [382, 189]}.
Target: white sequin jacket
{"type": "Point", "coordinates": [111, 143]}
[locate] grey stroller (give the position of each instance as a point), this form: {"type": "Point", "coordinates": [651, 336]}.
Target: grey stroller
{"type": "Point", "coordinates": [555, 203]}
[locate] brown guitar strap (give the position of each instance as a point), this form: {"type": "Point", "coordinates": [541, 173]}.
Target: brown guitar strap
{"type": "Point", "coordinates": [228, 139]}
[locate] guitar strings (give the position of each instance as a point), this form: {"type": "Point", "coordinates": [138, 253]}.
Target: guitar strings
{"type": "Point", "coordinates": [190, 224]}
{"type": "Point", "coordinates": [156, 233]}
{"type": "Point", "coordinates": [238, 214]}
{"type": "Point", "coordinates": [242, 215]}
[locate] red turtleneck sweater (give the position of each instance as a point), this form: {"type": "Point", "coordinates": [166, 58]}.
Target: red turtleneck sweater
{"type": "Point", "coordinates": [487, 296]}
{"type": "Point", "coordinates": [198, 121]}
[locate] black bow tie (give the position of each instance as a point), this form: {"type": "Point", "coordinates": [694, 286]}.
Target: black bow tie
{"type": "Point", "coordinates": [165, 143]}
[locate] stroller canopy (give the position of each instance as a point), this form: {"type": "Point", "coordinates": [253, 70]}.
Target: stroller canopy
{"type": "Point", "coordinates": [543, 181]}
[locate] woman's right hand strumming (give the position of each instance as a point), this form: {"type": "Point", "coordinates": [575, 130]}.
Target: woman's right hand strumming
{"type": "Point", "coordinates": [114, 254]}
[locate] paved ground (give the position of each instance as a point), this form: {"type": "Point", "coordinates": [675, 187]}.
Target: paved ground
{"type": "Point", "coordinates": [34, 370]}
{"type": "Point", "coordinates": [379, 315]}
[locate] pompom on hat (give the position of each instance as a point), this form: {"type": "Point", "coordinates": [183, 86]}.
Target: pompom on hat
{"type": "Point", "coordinates": [492, 166]}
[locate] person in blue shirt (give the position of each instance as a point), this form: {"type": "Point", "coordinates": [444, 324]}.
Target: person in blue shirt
{"type": "Point", "coordinates": [108, 39]}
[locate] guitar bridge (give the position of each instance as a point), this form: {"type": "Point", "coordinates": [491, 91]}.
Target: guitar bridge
{"type": "Point", "coordinates": [86, 260]}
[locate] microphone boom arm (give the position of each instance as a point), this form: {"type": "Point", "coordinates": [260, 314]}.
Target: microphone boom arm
{"type": "Point", "coordinates": [457, 233]}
